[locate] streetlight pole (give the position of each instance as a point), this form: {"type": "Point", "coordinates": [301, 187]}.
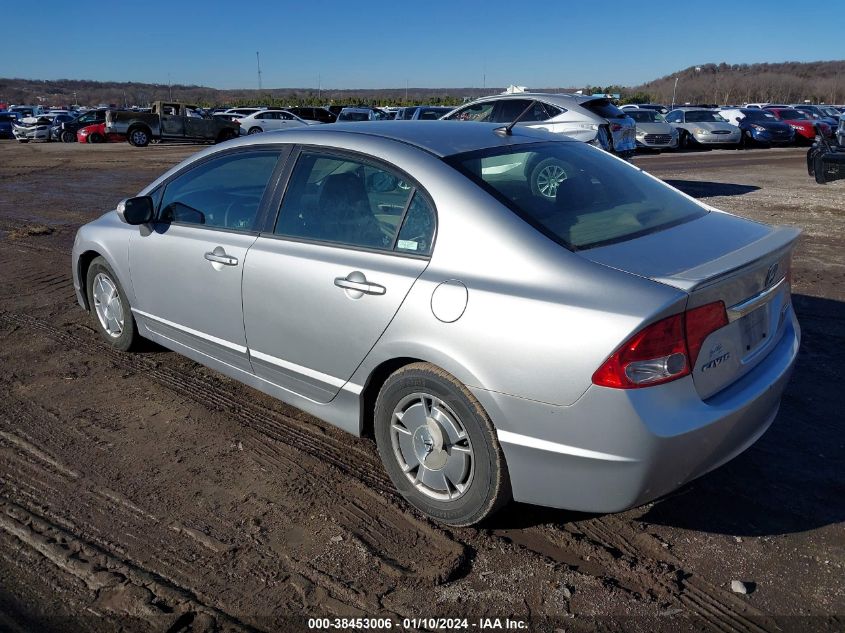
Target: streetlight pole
{"type": "Point", "coordinates": [673, 93]}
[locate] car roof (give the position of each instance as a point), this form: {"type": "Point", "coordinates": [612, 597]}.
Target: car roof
{"type": "Point", "coordinates": [560, 98]}
{"type": "Point", "coordinates": [441, 138]}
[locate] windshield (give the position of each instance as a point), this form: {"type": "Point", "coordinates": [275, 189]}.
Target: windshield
{"type": "Point", "coordinates": [645, 116]}
{"type": "Point", "coordinates": [795, 115]}
{"type": "Point", "coordinates": [575, 194]}
{"type": "Point", "coordinates": [354, 116]}
{"type": "Point", "coordinates": [703, 116]}
{"type": "Point", "coordinates": [758, 115]}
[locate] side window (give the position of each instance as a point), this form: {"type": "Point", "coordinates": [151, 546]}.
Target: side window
{"type": "Point", "coordinates": [509, 109]}
{"type": "Point", "coordinates": [224, 192]}
{"type": "Point", "coordinates": [344, 201]}
{"type": "Point", "coordinates": [674, 117]}
{"type": "Point", "coordinates": [476, 112]}
{"type": "Point", "coordinates": [284, 116]}
{"type": "Point", "coordinates": [417, 233]}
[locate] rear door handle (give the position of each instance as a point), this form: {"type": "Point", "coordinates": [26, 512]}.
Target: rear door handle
{"type": "Point", "coordinates": [221, 258]}
{"type": "Point", "coordinates": [356, 282]}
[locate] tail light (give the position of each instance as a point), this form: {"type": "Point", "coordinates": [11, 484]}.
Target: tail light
{"type": "Point", "coordinates": [663, 351]}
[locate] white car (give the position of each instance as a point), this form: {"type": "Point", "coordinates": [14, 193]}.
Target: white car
{"type": "Point", "coordinates": [265, 120]}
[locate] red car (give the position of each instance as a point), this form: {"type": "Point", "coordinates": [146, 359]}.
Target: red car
{"type": "Point", "coordinates": [97, 134]}
{"type": "Point", "coordinates": [801, 122]}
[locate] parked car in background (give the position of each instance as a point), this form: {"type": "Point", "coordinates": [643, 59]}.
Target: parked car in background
{"type": "Point", "coordinates": [56, 125]}
{"type": "Point", "coordinates": [576, 352]}
{"type": "Point", "coordinates": [803, 124]}
{"type": "Point", "coordinates": [68, 129]}
{"type": "Point", "coordinates": [169, 121]}
{"type": "Point", "coordinates": [759, 126]}
{"type": "Point", "coordinates": [587, 119]}
{"type": "Point", "coordinates": [321, 115]}
{"type": "Point", "coordinates": [422, 113]}
{"type": "Point", "coordinates": [33, 128]}
{"type": "Point", "coordinates": [697, 126]}
{"type": "Point", "coordinates": [267, 120]}
{"type": "Point", "coordinates": [819, 113]}
{"type": "Point", "coordinates": [243, 111]}
{"type": "Point", "coordinates": [27, 110]}
{"type": "Point", "coordinates": [662, 109]}
{"type": "Point", "coordinates": [6, 121]}
{"type": "Point", "coordinates": [652, 130]}
{"type": "Point", "coordinates": [840, 132]}
{"type": "Point", "coordinates": [96, 133]}
{"type": "Point", "coordinates": [361, 114]}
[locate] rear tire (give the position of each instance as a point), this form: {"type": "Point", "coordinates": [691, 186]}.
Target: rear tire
{"type": "Point", "coordinates": [439, 446]}
{"type": "Point", "coordinates": [254, 130]}
{"type": "Point", "coordinates": [138, 137]}
{"type": "Point", "coordinates": [110, 307]}
{"type": "Point", "coordinates": [546, 177]}
{"type": "Point", "coordinates": [68, 137]}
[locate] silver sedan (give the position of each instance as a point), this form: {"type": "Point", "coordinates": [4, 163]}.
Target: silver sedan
{"type": "Point", "coordinates": [510, 315]}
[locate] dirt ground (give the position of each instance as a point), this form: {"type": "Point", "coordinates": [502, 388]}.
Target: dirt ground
{"type": "Point", "coordinates": [144, 492]}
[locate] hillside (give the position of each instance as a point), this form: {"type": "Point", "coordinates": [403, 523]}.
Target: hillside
{"type": "Point", "coordinates": [789, 82]}
{"type": "Point", "coordinates": [723, 83]}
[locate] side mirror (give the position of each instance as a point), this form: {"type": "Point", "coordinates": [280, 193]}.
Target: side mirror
{"type": "Point", "coordinates": [136, 211]}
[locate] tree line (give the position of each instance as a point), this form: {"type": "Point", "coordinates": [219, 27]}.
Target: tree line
{"type": "Point", "coordinates": [789, 82]}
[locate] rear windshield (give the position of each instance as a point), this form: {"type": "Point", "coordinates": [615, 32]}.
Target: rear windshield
{"type": "Point", "coordinates": [575, 194]}
{"type": "Point", "coordinates": [603, 108]}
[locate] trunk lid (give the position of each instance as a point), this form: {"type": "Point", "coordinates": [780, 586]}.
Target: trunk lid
{"type": "Point", "coordinates": [719, 257]}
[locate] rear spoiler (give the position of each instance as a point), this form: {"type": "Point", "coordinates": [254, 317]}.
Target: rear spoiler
{"type": "Point", "coordinates": [780, 240]}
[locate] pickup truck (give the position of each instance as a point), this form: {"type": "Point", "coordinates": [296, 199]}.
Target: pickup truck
{"type": "Point", "coordinates": [169, 122]}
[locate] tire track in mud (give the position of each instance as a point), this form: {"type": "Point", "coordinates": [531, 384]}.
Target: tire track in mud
{"type": "Point", "coordinates": [118, 587]}
{"type": "Point", "coordinates": [624, 562]}
{"type": "Point", "coordinates": [372, 520]}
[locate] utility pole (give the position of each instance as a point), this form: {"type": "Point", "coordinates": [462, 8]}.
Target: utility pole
{"type": "Point", "coordinates": [319, 87]}
{"type": "Point", "coordinates": [673, 93]}
{"type": "Point", "coordinates": [258, 62]}
{"type": "Point", "coordinates": [169, 87]}
{"type": "Point", "coordinates": [406, 91]}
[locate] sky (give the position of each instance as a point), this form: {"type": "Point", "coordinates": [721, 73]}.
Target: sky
{"type": "Point", "coordinates": [374, 44]}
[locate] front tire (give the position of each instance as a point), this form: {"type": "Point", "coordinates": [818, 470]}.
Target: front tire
{"type": "Point", "coordinates": [439, 446]}
{"type": "Point", "coordinates": [68, 137]}
{"type": "Point", "coordinates": [110, 307]}
{"type": "Point", "coordinates": [255, 130]}
{"type": "Point", "coordinates": [96, 138]}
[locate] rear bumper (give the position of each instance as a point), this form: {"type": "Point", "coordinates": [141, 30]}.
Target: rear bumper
{"type": "Point", "coordinates": [614, 449]}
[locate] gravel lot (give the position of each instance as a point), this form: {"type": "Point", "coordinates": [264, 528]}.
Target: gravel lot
{"type": "Point", "coordinates": [144, 492]}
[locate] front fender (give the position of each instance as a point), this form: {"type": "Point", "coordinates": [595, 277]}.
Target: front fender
{"type": "Point", "coordinates": [109, 238]}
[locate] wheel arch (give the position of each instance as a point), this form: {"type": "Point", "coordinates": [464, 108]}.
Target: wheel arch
{"type": "Point", "coordinates": [373, 385]}
{"type": "Point", "coordinates": [83, 263]}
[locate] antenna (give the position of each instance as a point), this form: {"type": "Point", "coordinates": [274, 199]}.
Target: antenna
{"type": "Point", "coordinates": [508, 131]}
{"type": "Point", "coordinates": [258, 62]}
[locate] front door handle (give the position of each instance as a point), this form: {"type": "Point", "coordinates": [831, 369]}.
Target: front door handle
{"type": "Point", "coordinates": [219, 256]}
{"type": "Point", "coordinates": [356, 283]}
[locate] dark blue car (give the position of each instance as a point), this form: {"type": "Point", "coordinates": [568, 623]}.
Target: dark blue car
{"type": "Point", "coordinates": [6, 120]}
{"type": "Point", "coordinates": [759, 127]}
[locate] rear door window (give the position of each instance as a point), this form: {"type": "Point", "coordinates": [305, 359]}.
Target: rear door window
{"type": "Point", "coordinates": [349, 201]}
{"type": "Point", "coordinates": [510, 109]}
